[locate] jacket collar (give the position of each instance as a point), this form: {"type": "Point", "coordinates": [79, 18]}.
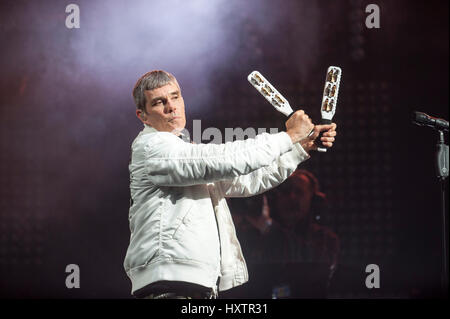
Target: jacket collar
{"type": "Point", "coordinates": [149, 129]}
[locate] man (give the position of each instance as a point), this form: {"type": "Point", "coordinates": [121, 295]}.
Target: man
{"type": "Point", "coordinates": [183, 242]}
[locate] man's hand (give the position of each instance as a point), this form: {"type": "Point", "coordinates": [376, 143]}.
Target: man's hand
{"type": "Point", "coordinates": [298, 126]}
{"type": "Point", "coordinates": [327, 138]}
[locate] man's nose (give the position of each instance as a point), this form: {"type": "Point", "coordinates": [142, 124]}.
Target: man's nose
{"type": "Point", "coordinates": [170, 106]}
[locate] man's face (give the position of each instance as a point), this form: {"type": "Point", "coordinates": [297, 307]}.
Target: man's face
{"type": "Point", "coordinates": [164, 108]}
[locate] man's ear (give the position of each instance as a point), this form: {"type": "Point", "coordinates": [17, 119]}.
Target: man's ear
{"type": "Point", "coordinates": [141, 115]}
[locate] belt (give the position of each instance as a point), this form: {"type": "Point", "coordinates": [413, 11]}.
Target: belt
{"type": "Point", "coordinates": [177, 291]}
{"type": "Point", "coordinates": [188, 295]}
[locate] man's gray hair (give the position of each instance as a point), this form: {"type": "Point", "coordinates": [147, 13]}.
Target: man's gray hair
{"type": "Point", "coordinates": [150, 81]}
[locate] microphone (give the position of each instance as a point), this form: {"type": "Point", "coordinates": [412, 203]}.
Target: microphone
{"type": "Point", "coordinates": [421, 119]}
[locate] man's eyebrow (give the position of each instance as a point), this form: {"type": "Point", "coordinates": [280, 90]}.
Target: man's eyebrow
{"type": "Point", "coordinates": [177, 92]}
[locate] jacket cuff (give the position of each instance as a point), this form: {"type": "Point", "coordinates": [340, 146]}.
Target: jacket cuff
{"type": "Point", "coordinates": [303, 155]}
{"type": "Point", "coordinates": [284, 142]}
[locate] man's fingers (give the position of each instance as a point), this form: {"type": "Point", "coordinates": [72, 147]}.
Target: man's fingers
{"type": "Point", "coordinates": [326, 127]}
{"type": "Point", "coordinates": [330, 133]}
{"type": "Point", "coordinates": [329, 130]}
{"type": "Point", "coordinates": [327, 139]}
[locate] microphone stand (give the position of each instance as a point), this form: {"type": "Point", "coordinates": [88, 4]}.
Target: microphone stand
{"type": "Point", "coordinates": [442, 167]}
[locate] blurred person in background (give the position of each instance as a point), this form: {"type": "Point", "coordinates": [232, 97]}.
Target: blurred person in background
{"type": "Point", "coordinates": [287, 248]}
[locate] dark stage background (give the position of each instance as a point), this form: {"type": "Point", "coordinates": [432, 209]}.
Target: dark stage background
{"type": "Point", "coordinates": [67, 122]}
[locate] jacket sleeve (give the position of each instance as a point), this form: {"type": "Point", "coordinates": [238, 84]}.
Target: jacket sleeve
{"type": "Point", "coordinates": [265, 178]}
{"type": "Point", "coordinates": [171, 162]}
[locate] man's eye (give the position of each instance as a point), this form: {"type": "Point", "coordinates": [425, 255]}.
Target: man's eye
{"type": "Point", "coordinates": [175, 96]}
{"type": "Point", "coordinates": [158, 102]}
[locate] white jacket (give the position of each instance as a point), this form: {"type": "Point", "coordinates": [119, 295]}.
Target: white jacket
{"type": "Point", "coordinates": [181, 227]}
